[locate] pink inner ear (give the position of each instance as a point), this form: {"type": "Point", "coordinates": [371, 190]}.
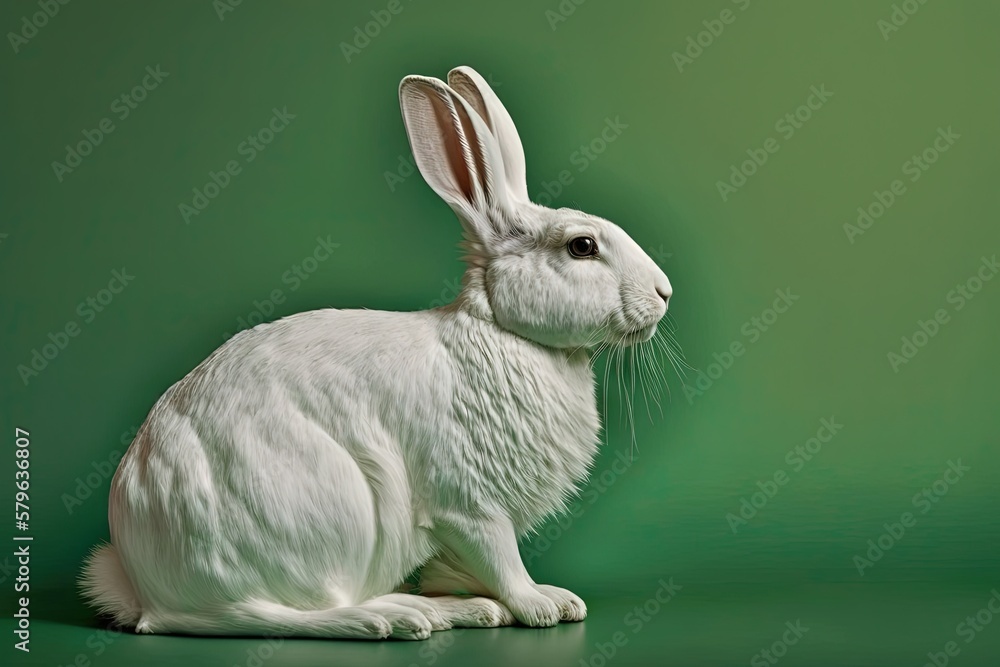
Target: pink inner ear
{"type": "Point", "coordinates": [453, 150]}
{"type": "Point", "coordinates": [476, 148]}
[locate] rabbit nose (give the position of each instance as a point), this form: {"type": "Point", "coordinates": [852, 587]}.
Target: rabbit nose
{"type": "Point", "coordinates": [663, 289]}
{"type": "Point", "coordinates": [662, 285]}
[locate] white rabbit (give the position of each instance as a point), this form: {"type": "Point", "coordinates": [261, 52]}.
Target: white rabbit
{"type": "Point", "coordinates": [293, 480]}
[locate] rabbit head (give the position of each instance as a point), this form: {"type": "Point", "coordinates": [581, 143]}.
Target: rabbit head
{"type": "Point", "coordinates": [559, 277]}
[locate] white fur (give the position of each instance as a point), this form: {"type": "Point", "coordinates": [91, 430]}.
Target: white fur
{"type": "Point", "coordinates": [291, 481]}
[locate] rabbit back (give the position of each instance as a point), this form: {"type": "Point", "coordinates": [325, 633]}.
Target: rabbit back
{"type": "Point", "coordinates": [269, 471]}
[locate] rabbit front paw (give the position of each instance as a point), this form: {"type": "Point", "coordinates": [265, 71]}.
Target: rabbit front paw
{"type": "Point", "coordinates": [571, 607]}
{"type": "Point", "coordinates": [534, 609]}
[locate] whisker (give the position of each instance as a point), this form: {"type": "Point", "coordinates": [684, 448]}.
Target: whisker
{"type": "Point", "coordinates": [642, 370]}
{"type": "Point", "coordinates": [672, 342]}
{"type": "Point", "coordinates": [646, 368]}
{"type": "Point", "coordinates": [648, 358]}
{"type": "Point", "coordinates": [672, 358]}
{"type": "Point", "coordinates": [632, 370]}
{"type": "Point", "coordinates": [673, 348]}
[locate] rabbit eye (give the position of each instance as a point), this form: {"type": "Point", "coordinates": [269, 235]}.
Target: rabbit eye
{"type": "Point", "coordinates": [583, 246]}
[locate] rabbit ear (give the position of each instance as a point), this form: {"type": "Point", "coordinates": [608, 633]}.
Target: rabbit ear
{"type": "Point", "coordinates": [468, 83]}
{"type": "Point", "coordinates": [456, 153]}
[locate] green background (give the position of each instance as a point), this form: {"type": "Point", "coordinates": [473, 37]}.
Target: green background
{"type": "Point", "coordinates": [325, 175]}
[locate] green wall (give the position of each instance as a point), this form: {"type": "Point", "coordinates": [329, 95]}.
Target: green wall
{"type": "Point", "coordinates": [329, 214]}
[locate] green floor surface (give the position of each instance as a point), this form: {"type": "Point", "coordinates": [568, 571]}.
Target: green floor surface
{"type": "Point", "coordinates": [881, 625]}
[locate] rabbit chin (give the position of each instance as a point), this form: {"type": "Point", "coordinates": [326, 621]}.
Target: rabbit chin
{"type": "Point", "coordinates": [590, 340]}
{"type": "Point", "coordinates": [636, 336]}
